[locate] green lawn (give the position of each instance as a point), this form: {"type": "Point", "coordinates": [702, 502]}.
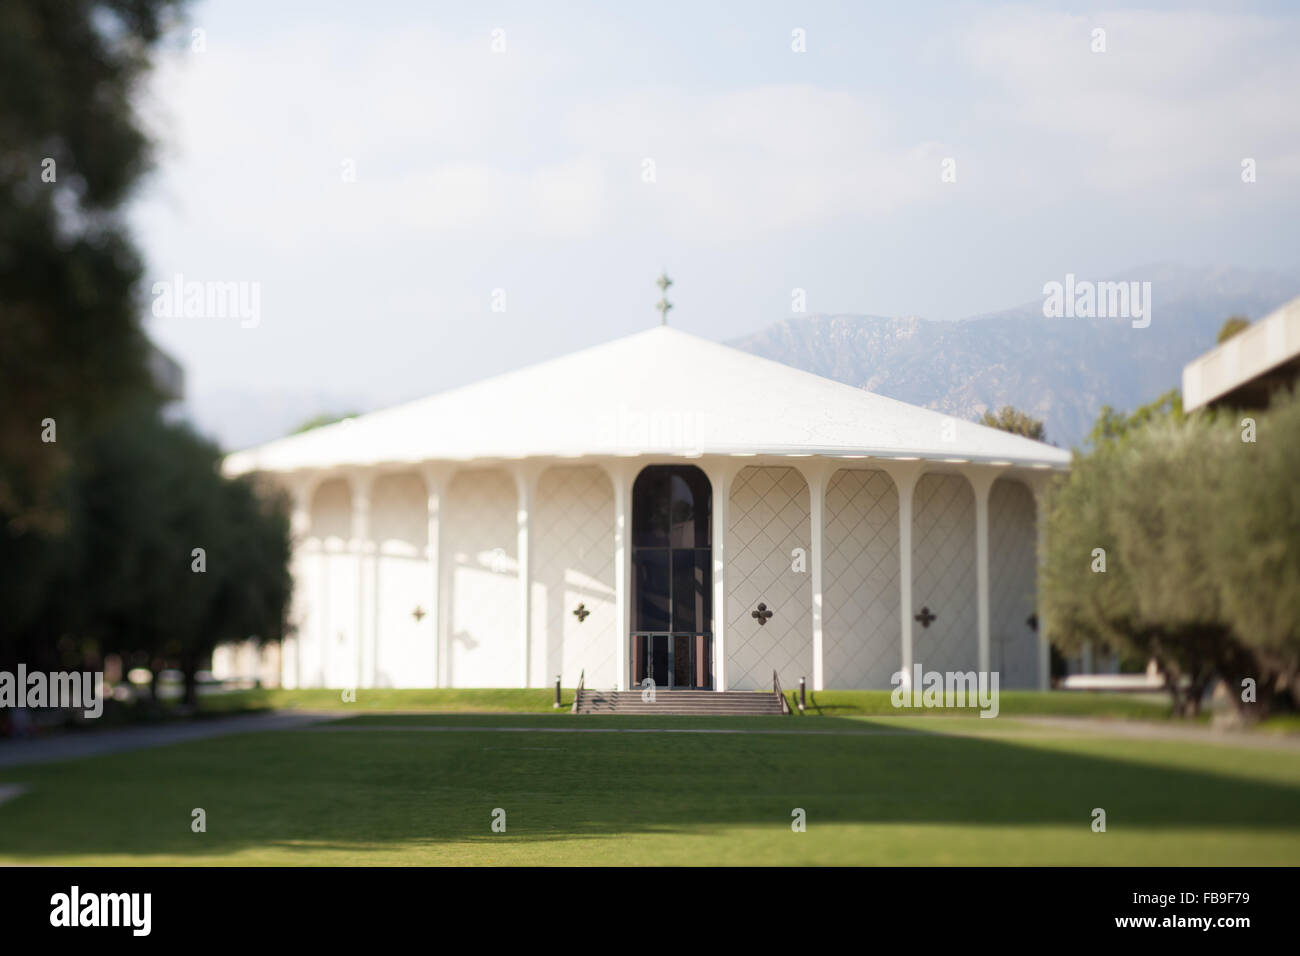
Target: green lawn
{"type": "Point", "coordinates": [898, 790]}
{"type": "Point", "coordinates": [440, 700]}
{"type": "Point", "coordinates": [835, 703]}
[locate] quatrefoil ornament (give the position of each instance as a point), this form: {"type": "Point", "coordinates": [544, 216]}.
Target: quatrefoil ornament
{"type": "Point", "coordinates": [762, 615]}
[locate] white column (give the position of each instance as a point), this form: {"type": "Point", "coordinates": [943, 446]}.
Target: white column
{"type": "Point", "coordinates": [1041, 502]}
{"type": "Point", "coordinates": [526, 487]}
{"type": "Point", "coordinates": [300, 491]}
{"type": "Point", "coordinates": [817, 474]}
{"type": "Point", "coordinates": [621, 475]}
{"type": "Point", "coordinates": [720, 473]}
{"type": "Point", "coordinates": [981, 480]}
{"type": "Point", "coordinates": [905, 475]}
{"type": "Point", "coordinates": [360, 483]}
{"type": "Point", "coordinates": [435, 480]}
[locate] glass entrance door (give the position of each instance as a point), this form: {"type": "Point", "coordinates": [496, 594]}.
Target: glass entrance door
{"type": "Point", "coordinates": [673, 660]}
{"type": "Point", "coordinates": [672, 578]}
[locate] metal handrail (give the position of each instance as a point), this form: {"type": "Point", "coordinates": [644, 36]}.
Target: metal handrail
{"type": "Point", "coordinates": [577, 695]}
{"type": "Point", "coordinates": [776, 687]}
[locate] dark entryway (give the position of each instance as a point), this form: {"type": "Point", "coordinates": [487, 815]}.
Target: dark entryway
{"type": "Point", "coordinates": [672, 577]}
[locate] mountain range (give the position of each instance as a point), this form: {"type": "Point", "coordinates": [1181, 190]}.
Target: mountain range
{"type": "Point", "coordinates": [1060, 370]}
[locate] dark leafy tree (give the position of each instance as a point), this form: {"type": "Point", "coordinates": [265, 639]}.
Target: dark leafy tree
{"type": "Point", "coordinates": [71, 149]}
{"type": "Point", "coordinates": [1010, 419]}
{"type": "Point", "coordinates": [162, 558]}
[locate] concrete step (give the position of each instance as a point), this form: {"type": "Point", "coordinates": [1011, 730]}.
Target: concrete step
{"type": "Point", "coordinates": [680, 702]}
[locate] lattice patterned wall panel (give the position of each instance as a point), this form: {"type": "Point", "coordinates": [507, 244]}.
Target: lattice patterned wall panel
{"type": "Point", "coordinates": [768, 519]}
{"type": "Point", "coordinates": [573, 563]}
{"type": "Point", "coordinates": [943, 574]}
{"type": "Point", "coordinates": [1013, 541]}
{"type": "Point", "coordinates": [860, 581]}
{"type": "Point", "coordinates": [309, 614]}
{"type": "Point", "coordinates": [302, 667]}
{"type": "Point", "coordinates": [485, 646]}
{"type": "Point", "coordinates": [329, 646]}
{"type": "Point", "coordinates": [406, 641]}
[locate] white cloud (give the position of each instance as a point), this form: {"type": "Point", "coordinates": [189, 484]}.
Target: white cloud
{"type": "Point", "coordinates": [449, 140]}
{"type": "Point", "coordinates": [523, 171]}
{"type": "Point", "coordinates": [757, 161]}
{"type": "Point", "coordinates": [1172, 105]}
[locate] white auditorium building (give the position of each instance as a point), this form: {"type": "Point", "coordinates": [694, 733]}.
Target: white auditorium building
{"type": "Point", "coordinates": [659, 506]}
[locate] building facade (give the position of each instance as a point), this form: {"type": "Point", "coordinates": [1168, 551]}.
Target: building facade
{"type": "Point", "coordinates": [660, 507]}
{"type": "Point", "coordinates": [1248, 368]}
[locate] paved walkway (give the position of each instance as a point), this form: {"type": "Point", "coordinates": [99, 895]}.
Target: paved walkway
{"type": "Point", "coordinates": [95, 743]}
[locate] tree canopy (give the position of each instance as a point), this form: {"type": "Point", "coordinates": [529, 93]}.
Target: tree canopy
{"type": "Point", "coordinates": [71, 149]}
{"type": "Point", "coordinates": [1011, 419]}
{"type": "Point", "coordinates": [161, 557]}
{"type": "Point", "coordinates": [118, 534]}
{"type": "Point", "coordinates": [1178, 538]}
{"type": "Point", "coordinates": [1234, 325]}
{"type": "Point", "coordinates": [321, 420]}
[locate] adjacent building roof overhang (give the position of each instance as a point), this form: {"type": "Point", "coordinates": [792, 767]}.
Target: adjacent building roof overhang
{"type": "Point", "coordinates": [661, 392]}
{"type": "Point", "coordinates": [1244, 371]}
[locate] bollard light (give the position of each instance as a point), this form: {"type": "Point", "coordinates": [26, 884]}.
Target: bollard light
{"type": "Point", "coordinates": [803, 693]}
{"type": "Point", "coordinates": [557, 691]}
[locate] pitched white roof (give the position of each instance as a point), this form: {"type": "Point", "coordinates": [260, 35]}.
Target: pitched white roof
{"type": "Point", "coordinates": [659, 392]}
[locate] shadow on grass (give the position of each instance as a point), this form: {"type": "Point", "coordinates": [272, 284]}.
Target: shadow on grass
{"type": "Point", "coordinates": [375, 788]}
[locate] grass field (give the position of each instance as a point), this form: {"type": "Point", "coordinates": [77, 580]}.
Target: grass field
{"type": "Point", "coordinates": [831, 703]}
{"type": "Point", "coordinates": [421, 789]}
{"type": "Point", "coordinates": [834, 703]}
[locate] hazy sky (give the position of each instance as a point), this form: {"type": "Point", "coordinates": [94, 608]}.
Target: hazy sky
{"type": "Point", "coordinates": [524, 170]}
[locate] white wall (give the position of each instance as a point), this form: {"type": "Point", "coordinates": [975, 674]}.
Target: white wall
{"type": "Point", "coordinates": [572, 535]}
{"type": "Point", "coordinates": [860, 647]}
{"type": "Point", "coordinates": [405, 647]}
{"type": "Point", "coordinates": [768, 517]}
{"type": "Point", "coordinates": [1013, 539]}
{"type": "Point", "coordinates": [943, 574]}
{"type": "Point", "coordinates": [302, 639]}
{"type": "Point", "coordinates": [330, 654]}
{"type": "Point", "coordinates": [485, 646]}
{"type": "Point", "coordinates": [573, 562]}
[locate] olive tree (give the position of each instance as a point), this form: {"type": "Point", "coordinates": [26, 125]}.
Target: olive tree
{"type": "Point", "coordinates": [1255, 551]}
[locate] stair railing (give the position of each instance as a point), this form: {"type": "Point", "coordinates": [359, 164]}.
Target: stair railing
{"type": "Point", "coordinates": [776, 688]}
{"type": "Point", "coordinates": [577, 696]}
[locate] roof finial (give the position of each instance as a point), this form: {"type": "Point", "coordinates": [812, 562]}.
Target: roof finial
{"type": "Point", "coordinates": [663, 305]}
